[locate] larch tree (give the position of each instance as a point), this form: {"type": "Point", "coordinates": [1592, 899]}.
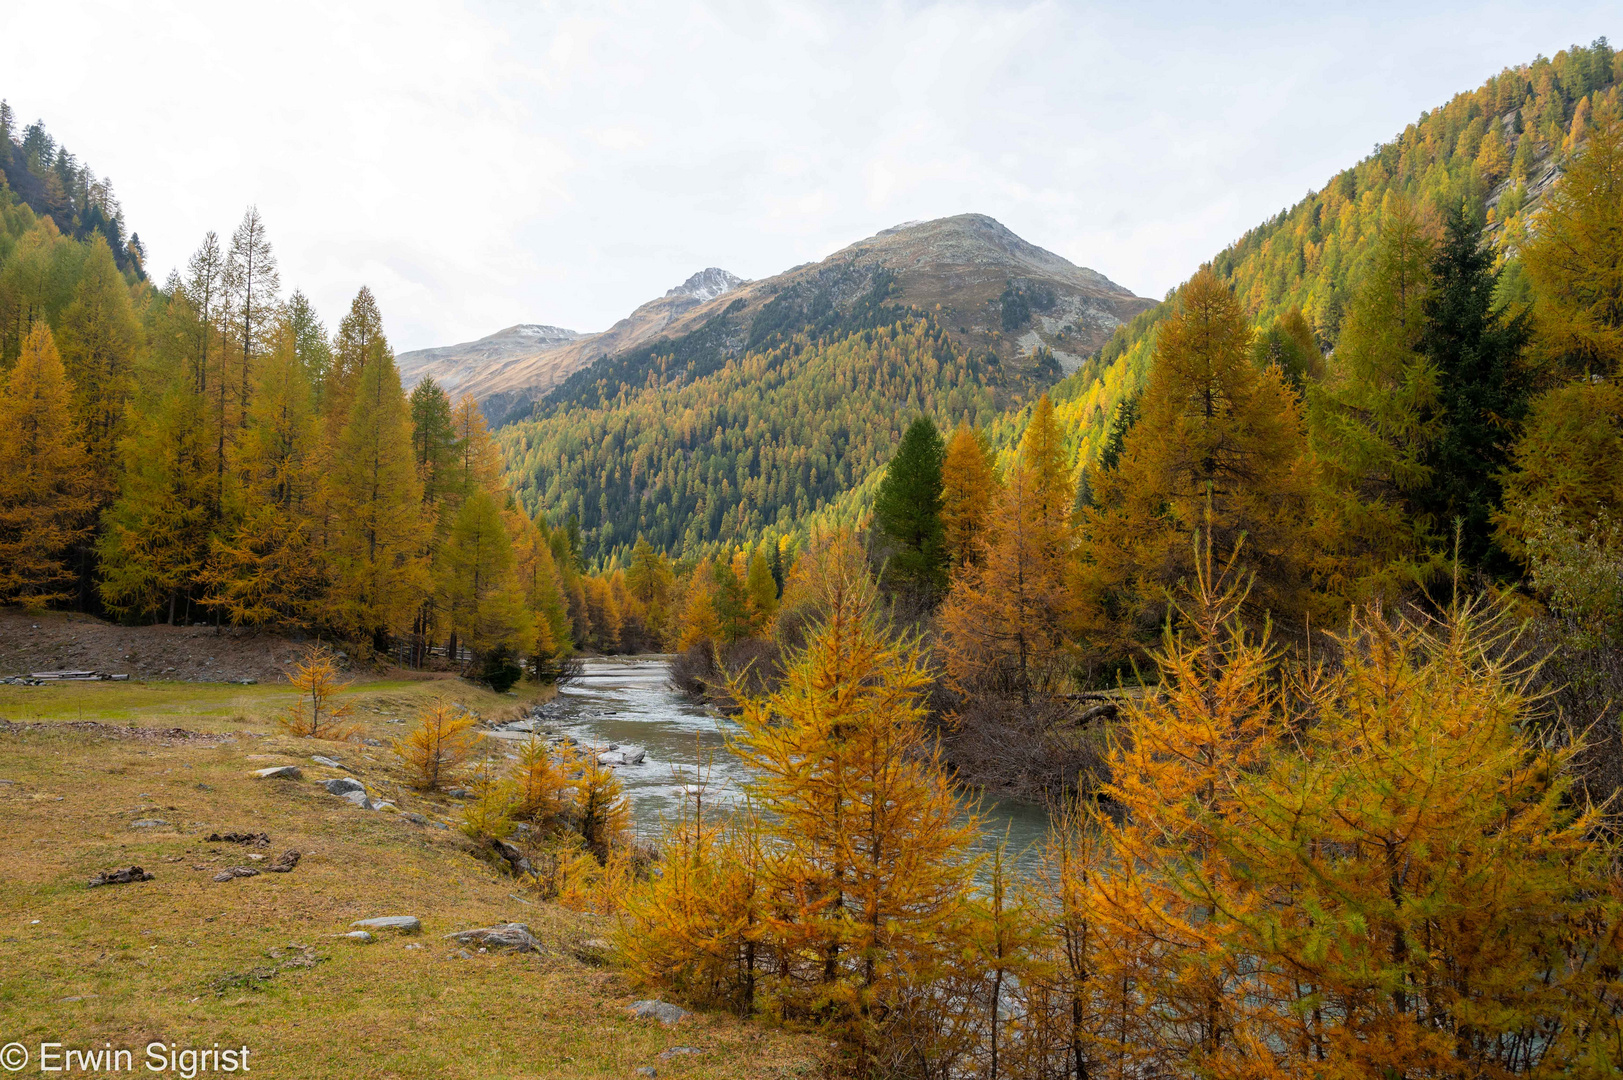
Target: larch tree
{"type": "Point", "coordinates": [379, 574]}
{"type": "Point", "coordinates": [359, 341]}
{"type": "Point", "coordinates": [907, 511]}
{"type": "Point", "coordinates": [99, 337]}
{"type": "Point", "coordinates": [1574, 259]}
{"type": "Point", "coordinates": [1007, 619]}
{"type": "Point", "coordinates": [761, 593]}
{"type": "Point", "coordinates": [310, 344]}
{"type": "Point", "coordinates": [251, 282]}
{"type": "Point", "coordinates": [968, 493]}
{"type": "Point", "coordinates": [871, 853]}
{"type": "Point", "coordinates": [47, 492]}
{"type": "Point", "coordinates": [156, 537]}
{"type": "Point", "coordinates": [433, 440]}
{"type": "Point", "coordinates": [264, 569]}
{"type": "Point", "coordinates": [1218, 452]}
{"type": "Point", "coordinates": [481, 593]}
{"type": "Point", "coordinates": [651, 584]}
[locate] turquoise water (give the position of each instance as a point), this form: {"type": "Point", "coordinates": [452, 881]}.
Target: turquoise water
{"type": "Point", "coordinates": [629, 701]}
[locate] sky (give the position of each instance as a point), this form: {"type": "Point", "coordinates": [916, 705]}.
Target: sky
{"type": "Point", "coordinates": [479, 164]}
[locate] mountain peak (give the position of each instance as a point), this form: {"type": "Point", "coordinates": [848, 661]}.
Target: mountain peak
{"type": "Point", "coordinates": [707, 284]}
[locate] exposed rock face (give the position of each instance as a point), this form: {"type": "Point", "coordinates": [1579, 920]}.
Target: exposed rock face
{"type": "Point", "coordinates": [505, 387]}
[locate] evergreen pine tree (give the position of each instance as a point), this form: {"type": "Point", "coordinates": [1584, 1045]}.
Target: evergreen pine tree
{"type": "Point", "coordinates": [907, 511]}
{"type": "Point", "coordinates": [1482, 389]}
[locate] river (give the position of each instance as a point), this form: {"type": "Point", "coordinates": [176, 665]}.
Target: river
{"type": "Point", "coordinates": [629, 701]}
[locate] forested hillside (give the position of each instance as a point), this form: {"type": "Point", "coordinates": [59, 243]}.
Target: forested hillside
{"type": "Point", "coordinates": [52, 181]}
{"type": "Point", "coordinates": [779, 403]}
{"type": "Point", "coordinates": [1494, 151]}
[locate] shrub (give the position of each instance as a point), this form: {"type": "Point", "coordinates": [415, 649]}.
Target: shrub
{"type": "Point", "coordinates": [438, 745]}
{"type": "Point", "coordinates": [315, 715]}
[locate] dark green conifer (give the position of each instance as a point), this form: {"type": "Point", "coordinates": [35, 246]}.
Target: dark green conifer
{"type": "Point", "coordinates": [907, 511]}
{"type": "Point", "coordinates": [1482, 390]}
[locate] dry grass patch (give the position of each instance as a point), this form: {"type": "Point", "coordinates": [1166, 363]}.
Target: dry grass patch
{"type": "Point", "coordinates": [259, 960]}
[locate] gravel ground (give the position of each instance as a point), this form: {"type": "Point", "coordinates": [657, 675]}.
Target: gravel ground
{"type": "Point", "coordinates": [52, 641]}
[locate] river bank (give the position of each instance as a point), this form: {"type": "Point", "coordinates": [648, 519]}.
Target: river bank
{"type": "Point", "coordinates": [629, 702]}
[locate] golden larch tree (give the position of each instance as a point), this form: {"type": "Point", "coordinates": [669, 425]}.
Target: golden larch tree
{"type": "Point", "coordinates": [47, 491]}
{"type": "Point", "coordinates": [1219, 451]}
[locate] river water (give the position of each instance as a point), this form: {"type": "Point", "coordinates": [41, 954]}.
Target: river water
{"type": "Point", "coordinates": [629, 702]}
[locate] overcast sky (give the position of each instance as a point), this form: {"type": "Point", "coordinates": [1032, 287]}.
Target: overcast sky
{"type": "Point", "coordinates": [482, 164]}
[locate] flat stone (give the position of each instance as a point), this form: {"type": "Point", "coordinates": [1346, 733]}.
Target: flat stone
{"type": "Point", "coordinates": [647, 1070]}
{"type": "Point", "coordinates": [663, 1011]}
{"type": "Point", "coordinates": [357, 798]}
{"type": "Point", "coordinates": [343, 785]}
{"type": "Point", "coordinates": [360, 937]}
{"type": "Point", "coordinates": [406, 924]}
{"type": "Point", "coordinates": [149, 823]}
{"type": "Point", "coordinates": [279, 772]}
{"type": "Point", "coordinates": [236, 872]}
{"type": "Point", "coordinates": [386, 805]}
{"type": "Point", "coordinates": [515, 936]}
{"type": "Point", "coordinates": [331, 763]}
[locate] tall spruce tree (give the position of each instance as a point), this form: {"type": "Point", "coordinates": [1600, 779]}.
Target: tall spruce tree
{"type": "Point", "coordinates": [907, 511]}
{"type": "Point", "coordinates": [1482, 390]}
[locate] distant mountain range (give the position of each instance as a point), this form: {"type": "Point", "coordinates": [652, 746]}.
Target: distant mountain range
{"type": "Point", "coordinates": [521, 363]}
{"type": "Point", "coordinates": [991, 291]}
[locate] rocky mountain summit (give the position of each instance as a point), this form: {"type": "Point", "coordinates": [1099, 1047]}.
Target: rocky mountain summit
{"type": "Point", "coordinates": [507, 383]}
{"type": "Point", "coordinates": [992, 291]}
{"type": "Point", "coordinates": [707, 284]}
